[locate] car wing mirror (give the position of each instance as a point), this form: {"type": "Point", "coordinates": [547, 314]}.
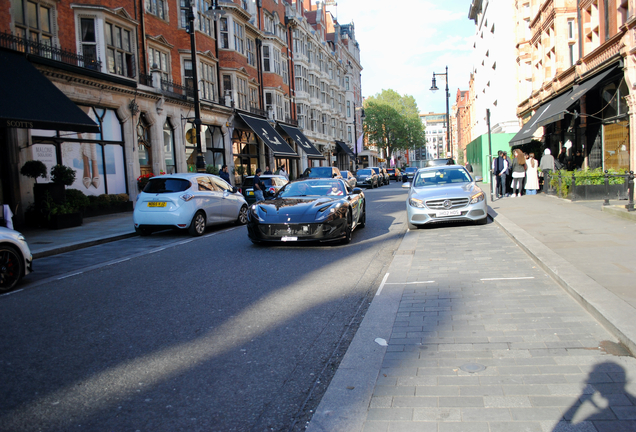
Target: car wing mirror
{"type": "Point", "coordinates": [406, 185]}
{"type": "Point", "coordinates": [235, 189]}
{"type": "Point", "coordinates": [479, 178]}
{"type": "Point", "coordinates": [356, 190]}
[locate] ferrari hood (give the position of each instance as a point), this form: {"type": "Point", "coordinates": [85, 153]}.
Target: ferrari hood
{"type": "Point", "coordinates": [293, 210]}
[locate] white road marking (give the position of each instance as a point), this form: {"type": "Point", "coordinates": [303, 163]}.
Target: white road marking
{"type": "Point", "coordinates": [512, 278]}
{"type": "Point", "coordinates": [12, 292]}
{"type": "Point", "coordinates": [70, 275]}
{"type": "Point", "coordinates": [386, 276]}
{"type": "Point", "coordinates": [409, 283]}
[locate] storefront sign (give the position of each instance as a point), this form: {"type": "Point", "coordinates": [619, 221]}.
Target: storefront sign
{"type": "Point", "coordinates": [616, 146]}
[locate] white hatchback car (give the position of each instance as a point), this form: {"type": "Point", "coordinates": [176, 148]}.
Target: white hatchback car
{"type": "Point", "coordinates": [187, 201]}
{"type": "Point", "coordinates": [15, 258]}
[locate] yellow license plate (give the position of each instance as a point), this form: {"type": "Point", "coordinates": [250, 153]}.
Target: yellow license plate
{"type": "Point", "coordinates": [250, 193]}
{"type": "Point", "coordinates": [156, 204]}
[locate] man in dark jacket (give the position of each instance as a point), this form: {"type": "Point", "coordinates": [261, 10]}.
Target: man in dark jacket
{"type": "Point", "coordinates": [500, 170]}
{"type": "Point", "coordinates": [224, 174]}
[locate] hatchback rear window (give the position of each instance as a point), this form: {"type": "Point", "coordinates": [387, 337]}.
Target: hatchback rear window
{"type": "Point", "coordinates": [166, 185]}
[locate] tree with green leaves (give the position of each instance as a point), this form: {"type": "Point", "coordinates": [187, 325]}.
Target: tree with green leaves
{"type": "Point", "coordinates": [392, 122]}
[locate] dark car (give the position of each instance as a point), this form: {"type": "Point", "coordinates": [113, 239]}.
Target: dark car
{"type": "Point", "coordinates": [439, 162]}
{"type": "Point", "coordinates": [408, 173]}
{"type": "Point", "coordinates": [367, 177]}
{"type": "Point", "coordinates": [394, 174]}
{"type": "Point", "coordinates": [349, 178]}
{"type": "Point", "coordinates": [308, 210]}
{"type": "Point", "coordinates": [321, 172]}
{"type": "Point", "coordinates": [383, 177]}
{"type": "Point", "coordinates": [272, 184]}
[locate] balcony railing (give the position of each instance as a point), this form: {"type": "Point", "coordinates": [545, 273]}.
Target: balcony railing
{"type": "Point", "coordinates": [177, 90]}
{"type": "Point", "coordinates": [17, 43]}
{"type": "Point", "coordinates": [145, 79]}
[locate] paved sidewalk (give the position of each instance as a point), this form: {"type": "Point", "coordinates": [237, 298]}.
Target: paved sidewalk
{"type": "Point", "coordinates": [545, 358]}
{"type": "Point", "coordinates": [94, 230]}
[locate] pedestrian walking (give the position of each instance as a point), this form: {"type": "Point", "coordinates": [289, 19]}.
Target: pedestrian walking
{"type": "Point", "coordinates": [547, 166]}
{"type": "Point", "coordinates": [469, 167]}
{"type": "Point", "coordinates": [224, 174]}
{"type": "Point", "coordinates": [258, 186]}
{"type": "Point", "coordinates": [500, 169]}
{"type": "Point", "coordinates": [532, 175]}
{"type": "Point", "coordinates": [518, 172]}
{"type": "Point", "coordinates": [282, 172]}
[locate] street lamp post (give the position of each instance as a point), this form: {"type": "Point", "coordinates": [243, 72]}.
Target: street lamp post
{"type": "Point", "coordinates": [434, 89]}
{"type": "Point", "coordinates": [355, 131]}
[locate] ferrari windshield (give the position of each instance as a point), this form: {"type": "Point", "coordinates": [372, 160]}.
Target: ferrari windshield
{"type": "Point", "coordinates": [440, 177]}
{"type": "Point", "coordinates": [312, 188]}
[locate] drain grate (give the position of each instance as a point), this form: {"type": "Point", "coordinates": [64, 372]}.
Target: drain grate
{"type": "Point", "coordinates": [472, 367]}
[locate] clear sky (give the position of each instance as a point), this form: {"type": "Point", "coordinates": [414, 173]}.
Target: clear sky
{"type": "Point", "coordinates": [402, 42]}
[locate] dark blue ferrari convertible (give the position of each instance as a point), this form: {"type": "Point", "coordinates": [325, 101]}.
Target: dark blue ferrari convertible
{"type": "Point", "coordinates": [318, 210]}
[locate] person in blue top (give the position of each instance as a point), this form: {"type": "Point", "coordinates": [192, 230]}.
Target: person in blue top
{"type": "Point", "coordinates": [224, 174]}
{"type": "Point", "coordinates": [258, 186]}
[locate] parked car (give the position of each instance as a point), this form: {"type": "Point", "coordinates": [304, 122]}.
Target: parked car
{"type": "Point", "coordinates": [15, 259]}
{"type": "Point", "coordinates": [311, 209]}
{"type": "Point", "coordinates": [348, 177]}
{"type": "Point", "coordinates": [444, 194]}
{"type": "Point", "coordinates": [367, 177]}
{"type": "Point", "coordinates": [394, 174]}
{"type": "Point", "coordinates": [438, 162]}
{"type": "Point", "coordinates": [321, 172]}
{"type": "Point", "coordinates": [189, 201]}
{"type": "Point", "coordinates": [273, 183]}
{"type": "Point", "coordinates": [382, 177]}
{"type": "Point", "coordinates": [408, 173]}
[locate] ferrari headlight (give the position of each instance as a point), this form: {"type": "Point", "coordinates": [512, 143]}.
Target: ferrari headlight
{"type": "Point", "coordinates": [477, 198]}
{"type": "Point", "coordinates": [414, 202]}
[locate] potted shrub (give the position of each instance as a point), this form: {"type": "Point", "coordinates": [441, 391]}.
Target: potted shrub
{"type": "Point", "coordinates": [33, 169]}
{"type": "Point", "coordinates": [63, 175]}
{"type": "Point", "coordinates": [212, 169]}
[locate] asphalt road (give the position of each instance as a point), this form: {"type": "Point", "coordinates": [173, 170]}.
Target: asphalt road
{"type": "Point", "coordinates": [169, 333]}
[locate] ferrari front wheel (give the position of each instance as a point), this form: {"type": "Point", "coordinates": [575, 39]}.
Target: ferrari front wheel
{"type": "Point", "coordinates": [348, 230]}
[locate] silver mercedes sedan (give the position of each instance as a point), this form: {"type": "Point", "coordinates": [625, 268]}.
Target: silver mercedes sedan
{"type": "Point", "coordinates": [444, 194]}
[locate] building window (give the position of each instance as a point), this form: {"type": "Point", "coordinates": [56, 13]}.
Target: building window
{"type": "Point", "coordinates": [188, 75]}
{"type": "Point", "coordinates": [253, 97]}
{"type": "Point", "coordinates": [238, 38]}
{"type": "Point", "coordinates": [570, 29]}
{"type": "Point", "coordinates": [347, 83]}
{"type": "Point", "coordinates": [156, 7]}
{"type": "Point", "coordinates": [205, 23]}
{"type": "Point", "coordinates": [183, 13]}
{"type": "Point", "coordinates": [571, 53]}
{"type": "Point", "coordinates": [159, 61]}
{"type": "Point", "coordinates": [279, 107]}
{"type": "Point", "coordinates": [119, 57]}
{"type": "Point", "coordinates": [285, 72]}
{"type": "Point", "coordinates": [33, 21]}
{"type": "Point", "coordinates": [241, 89]}
{"type": "Point", "coordinates": [88, 41]}
{"type": "Point", "coordinates": [251, 58]}
{"type": "Point", "coordinates": [168, 148]}
{"type": "Point", "coordinates": [208, 82]}
{"type": "Point", "coordinates": [224, 34]}
{"type": "Point", "coordinates": [266, 59]}
{"type": "Point", "coordinates": [277, 61]}
{"type": "Point", "coordinates": [348, 109]}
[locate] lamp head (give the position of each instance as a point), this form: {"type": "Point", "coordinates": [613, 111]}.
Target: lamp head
{"type": "Point", "coordinates": [434, 86]}
{"type": "Point", "coordinates": [215, 12]}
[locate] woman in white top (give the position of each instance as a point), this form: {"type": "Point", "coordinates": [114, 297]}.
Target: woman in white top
{"type": "Point", "coordinates": [532, 175]}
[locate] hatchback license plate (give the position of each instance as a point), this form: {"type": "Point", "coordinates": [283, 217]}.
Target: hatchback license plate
{"type": "Point", "coordinates": [444, 213]}
{"type": "Point", "coordinates": [157, 204]}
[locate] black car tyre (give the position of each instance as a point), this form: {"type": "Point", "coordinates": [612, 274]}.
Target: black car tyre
{"type": "Point", "coordinates": [11, 268]}
{"type": "Point", "coordinates": [363, 219]}
{"type": "Point", "coordinates": [197, 226]}
{"type": "Point", "coordinates": [242, 216]}
{"type": "Point", "coordinates": [348, 230]}
{"type": "Point", "coordinates": [143, 231]}
{"type": "Point", "coordinates": [483, 221]}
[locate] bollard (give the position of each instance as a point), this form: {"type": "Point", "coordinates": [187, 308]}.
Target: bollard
{"type": "Point", "coordinates": [572, 194]}
{"type": "Point", "coordinates": [560, 190]}
{"type": "Point", "coordinates": [606, 202]}
{"type": "Point", "coordinates": [630, 192]}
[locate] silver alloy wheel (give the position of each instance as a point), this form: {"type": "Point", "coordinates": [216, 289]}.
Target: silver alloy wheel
{"type": "Point", "coordinates": [242, 216]}
{"type": "Point", "coordinates": [197, 227]}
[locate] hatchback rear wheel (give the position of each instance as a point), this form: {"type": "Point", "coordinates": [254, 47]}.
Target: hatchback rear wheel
{"type": "Point", "coordinates": [197, 226]}
{"type": "Point", "coordinates": [242, 216]}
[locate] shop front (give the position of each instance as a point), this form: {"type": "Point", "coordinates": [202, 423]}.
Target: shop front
{"type": "Point", "coordinates": [344, 156]}
{"type": "Point", "coordinates": [297, 138]}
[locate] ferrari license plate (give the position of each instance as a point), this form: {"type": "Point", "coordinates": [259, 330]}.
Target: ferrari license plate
{"type": "Point", "coordinates": [444, 213]}
{"type": "Point", "coordinates": [157, 204]}
{"type": "Point", "coordinates": [286, 239]}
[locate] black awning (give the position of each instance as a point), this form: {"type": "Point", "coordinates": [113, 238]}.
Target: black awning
{"type": "Point", "coordinates": [556, 108]}
{"type": "Point", "coordinates": [566, 100]}
{"type": "Point", "coordinates": [30, 101]}
{"type": "Point", "coordinates": [300, 138]}
{"type": "Point", "coordinates": [345, 148]}
{"type": "Point", "coordinates": [270, 137]}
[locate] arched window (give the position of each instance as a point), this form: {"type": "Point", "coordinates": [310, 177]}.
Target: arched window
{"type": "Point", "coordinates": [143, 145]}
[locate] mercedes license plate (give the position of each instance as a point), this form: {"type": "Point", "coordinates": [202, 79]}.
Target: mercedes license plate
{"type": "Point", "coordinates": [285, 239]}
{"type": "Point", "coordinates": [444, 213]}
{"type": "Point", "coordinates": [157, 204]}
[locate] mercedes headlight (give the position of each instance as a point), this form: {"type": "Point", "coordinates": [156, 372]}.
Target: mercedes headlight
{"type": "Point", "coordinates": [414, 202]}
{"type": "Point", "coordinates": [477, 198]}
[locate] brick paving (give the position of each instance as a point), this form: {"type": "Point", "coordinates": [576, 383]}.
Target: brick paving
{"type": "Point", "coordinates": [544, 370]}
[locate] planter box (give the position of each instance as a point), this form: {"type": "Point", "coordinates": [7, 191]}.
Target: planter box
{"type": "Point", "coordinates": [57, 192]}
{"type": "Point", "coordinates": [598, 192]}
{"type": "Point", "coordinates": [69, 220]}
{"type": "Point", "coordinates": [120, 207]}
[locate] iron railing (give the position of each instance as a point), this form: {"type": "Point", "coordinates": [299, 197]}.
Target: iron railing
{"type": "Point", "coordinates": [17, 43]}
{"type": "Point", "coordinates": [177, 90]}
{"type": "Point", "coordinates": [145, 79]}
